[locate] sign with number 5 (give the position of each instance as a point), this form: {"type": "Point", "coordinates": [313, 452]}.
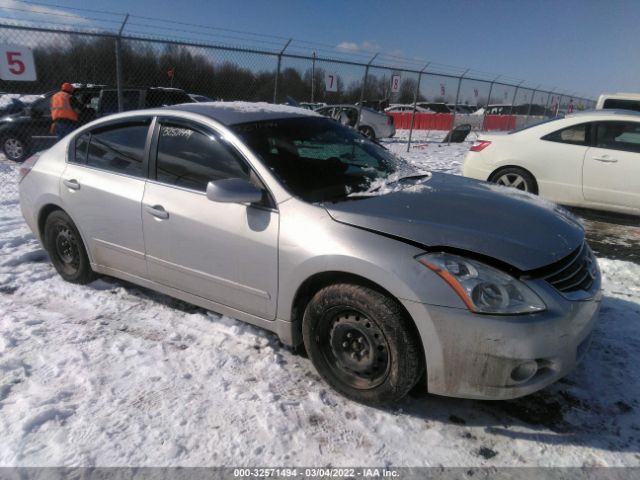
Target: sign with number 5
{"type": "Point", "coordinates": [331, 82]}
{"type": "Point", "coordinates": [16, 63]}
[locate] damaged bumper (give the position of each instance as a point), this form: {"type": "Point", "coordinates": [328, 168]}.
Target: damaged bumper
{"type": "Point", "coordinates": [496, 357]}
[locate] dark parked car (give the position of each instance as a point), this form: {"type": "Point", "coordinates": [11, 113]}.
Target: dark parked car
{"type": "Point", "coordinates": [29, 130]}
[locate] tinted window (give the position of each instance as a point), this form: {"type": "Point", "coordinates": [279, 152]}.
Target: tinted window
{"type": "Point", "coordinates": [191, 158]}
{"type": "Point", "coordinates": [42, 106]}
{"type": "Point", "coordinates": [80, 152]}
{"type": "Point", "coordinates": [575, 135]}
{"type": "Point", "coordinates": [119, 148]}
{"type": "Point", "coordinates": [109, 101]}
{"type": "Point", "coordinates": [623, 104]}
{"type": "Point", "coordinates": [618, 136]}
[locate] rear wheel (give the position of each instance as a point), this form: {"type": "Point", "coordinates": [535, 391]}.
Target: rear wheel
{"type": "Point", "coordinates": [64, 244]}
{"type": "Point", "coordinates": [517, 178]}
{"type": "Point", "coordinates": [368, 132]}
{"type": "Point", "coordinates": [14, 148]}
{"type": "Point", "coordinates": [362, 344]}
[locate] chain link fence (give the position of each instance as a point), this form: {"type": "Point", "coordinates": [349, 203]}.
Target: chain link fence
{"type": "Point", "coordinates": [117, 71]}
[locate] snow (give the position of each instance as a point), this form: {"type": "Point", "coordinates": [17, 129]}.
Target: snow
{"type": "Point", "coordinates": [254, 107]}
{"type": "Point", "coordinates": [110, 374]}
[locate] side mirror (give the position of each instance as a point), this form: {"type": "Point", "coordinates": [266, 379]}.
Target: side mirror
{"type": "Point", "coordinates": [233, 190]}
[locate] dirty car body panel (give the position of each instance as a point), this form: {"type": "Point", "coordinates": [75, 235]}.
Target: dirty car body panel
{"type": "Point", "coordinates": [258, 272]}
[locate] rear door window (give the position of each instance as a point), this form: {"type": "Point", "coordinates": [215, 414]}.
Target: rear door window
{"type": "Point", "coordinates": [119, 148]}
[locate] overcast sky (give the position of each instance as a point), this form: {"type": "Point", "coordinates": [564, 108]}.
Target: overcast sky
{"type": "Point", "coordinates": [584, 46]}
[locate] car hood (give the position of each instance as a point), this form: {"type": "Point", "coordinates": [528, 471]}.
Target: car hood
{"type": "Point", "coordinates": [449, 211]}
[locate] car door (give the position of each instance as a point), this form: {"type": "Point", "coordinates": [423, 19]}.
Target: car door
{"type": "Point", "coordinates": [101, 189]}
{"type": "Point", "coordinates": [38, 128]}
{"type": "Point", "coordinates": [556, 162]}
{"type": "Point", "coordinates": [612, 165]}
{"type": "Point", "coordinates": [223, 252]}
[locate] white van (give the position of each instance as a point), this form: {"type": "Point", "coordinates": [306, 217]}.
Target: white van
{"type": "Point", "coordinates": [626, 101]}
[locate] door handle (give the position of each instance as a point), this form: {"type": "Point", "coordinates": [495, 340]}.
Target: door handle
{"type": "Point", "coordinates": [73, 184]}
{"type": "Point", "coordinates": [157, 211]}
{"type": "Point", "coordinates": [605, 159]}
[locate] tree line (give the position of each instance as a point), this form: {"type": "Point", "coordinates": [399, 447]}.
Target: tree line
{"type": "Point", "coordinates": [78, 59]}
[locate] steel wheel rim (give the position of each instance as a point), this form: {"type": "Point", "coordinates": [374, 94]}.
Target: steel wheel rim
{"type": "Point", "coordinates": [355, 349]}
{"type": "Point", "coordinates": [513, 180]}
{"type": "Point", "coordinates": [66, 249]}
{"type": "Point", "coordinates": [13, 148]}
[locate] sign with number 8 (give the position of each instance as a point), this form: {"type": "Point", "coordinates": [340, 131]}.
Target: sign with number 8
{"type": "Point", "coordinates": [16, 63]}
{"type": "Point", "coordinates": [395, 83]}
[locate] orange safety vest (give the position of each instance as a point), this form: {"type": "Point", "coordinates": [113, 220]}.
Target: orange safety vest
{"type": "Point", "coordinates": [61, 107]}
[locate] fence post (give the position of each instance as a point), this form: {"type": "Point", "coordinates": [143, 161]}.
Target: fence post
{"type": "Point", "coordinates": [486, 107]}
{"type": "Point", "coordinates": [275, 86]}
{"type": "Point", "coordinates": [549, 95]}
{"type": "Point", "coordinates": [415, 102]}
{"type": "Point", "coordinates": [515, 94]}
{"type": "Point", "coordinates": [313, 76]}
{"type": "Point", "coordinates": [364, 85]}
{"type": "Point", "coordinates": [533, 93]}
{"type": "Point", "coordinates": [455, 105]}
{"type": "Point", "coordinates": [119, 64]}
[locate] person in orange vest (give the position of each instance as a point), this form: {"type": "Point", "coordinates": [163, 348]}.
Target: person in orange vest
{"type": "Point", "coordinates": [64, 111]}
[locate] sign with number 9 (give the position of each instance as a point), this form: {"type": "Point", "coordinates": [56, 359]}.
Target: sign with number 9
{"type": "Point", "coordinates": [16, 63]}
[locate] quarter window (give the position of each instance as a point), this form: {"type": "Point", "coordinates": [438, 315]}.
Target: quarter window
{"type": "Point", "coordinates": [618, 136]}
{"type": "Point", "coordinates": [80, 152]}
{"type": "Point", "coordinates": [119, 148]}
{"type": "Point", "coordinates": [191, 158]}
{"type": "Point", "coordinates": [575, 135]}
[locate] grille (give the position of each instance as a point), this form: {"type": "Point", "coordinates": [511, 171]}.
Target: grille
{"type": "Point", "coordinates": [575, 272]}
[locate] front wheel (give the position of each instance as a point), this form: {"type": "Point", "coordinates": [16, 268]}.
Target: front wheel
{"type": "Point", "coordinates": [517, 178]}
{"type": "Point", "coordinates": [64, 244]}
{"type": "Point", "coordinates": [14, 148]}
{"type": "Point", "coordinates": [362, 344]}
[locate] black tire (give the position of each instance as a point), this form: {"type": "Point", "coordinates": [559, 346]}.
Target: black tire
{"type": "Point", "coordinates": [66, 250]}
{"type": "Point", "coordinates": [368, 132]}
{"type": "Point", "coordinates": [15, 148]}
{"type": "Point", "coordinates": [515, 177]}
{"type": "Point", "coordinates": [362, 344]}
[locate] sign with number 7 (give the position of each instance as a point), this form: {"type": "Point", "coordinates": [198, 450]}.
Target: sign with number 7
{"type": "Point", "coordinates": [16, 63]}
{"type": "Point", "coordinates": [331, 82]}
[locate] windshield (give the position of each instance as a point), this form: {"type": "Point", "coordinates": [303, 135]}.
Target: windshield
{"type": "Point", "coordinates": [317, 159]}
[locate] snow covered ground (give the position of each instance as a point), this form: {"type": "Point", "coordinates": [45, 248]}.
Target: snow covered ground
{"type": "Point", "coordinates": [111, 374]}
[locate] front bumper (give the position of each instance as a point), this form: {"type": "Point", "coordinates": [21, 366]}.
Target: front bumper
{"type": "Point", "coordinates": [502, 357]}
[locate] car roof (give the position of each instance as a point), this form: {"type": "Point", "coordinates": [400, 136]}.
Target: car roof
{"type": "Point", "coordinates": [234, 113]}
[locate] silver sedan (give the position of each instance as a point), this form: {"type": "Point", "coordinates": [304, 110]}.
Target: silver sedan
{"type": "Point", "coordinates": [292, 222]}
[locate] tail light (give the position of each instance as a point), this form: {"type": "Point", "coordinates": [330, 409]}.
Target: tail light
{"type": "Point", "coordinates": [26, 166]}
{"type": "Point", "coordinates": [479, 145]}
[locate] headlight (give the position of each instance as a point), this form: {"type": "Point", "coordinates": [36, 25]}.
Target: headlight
{"type": "Point", "coordinates": [482, 288]}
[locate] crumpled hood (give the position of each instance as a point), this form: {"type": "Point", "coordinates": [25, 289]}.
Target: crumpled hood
{"type": "Point", "coordinates": [511, 226]}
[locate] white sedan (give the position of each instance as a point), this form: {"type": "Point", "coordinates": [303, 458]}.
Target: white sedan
{"type": "Point", "coordinates": [588, 159]}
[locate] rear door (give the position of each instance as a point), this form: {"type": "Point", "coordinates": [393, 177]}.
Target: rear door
{"type": "Point", "coordinates": [102, 188]}
{"type": "Point", "coordinates": [223, 252]}
{"type": "Point", "coordinates": [612, 166]}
